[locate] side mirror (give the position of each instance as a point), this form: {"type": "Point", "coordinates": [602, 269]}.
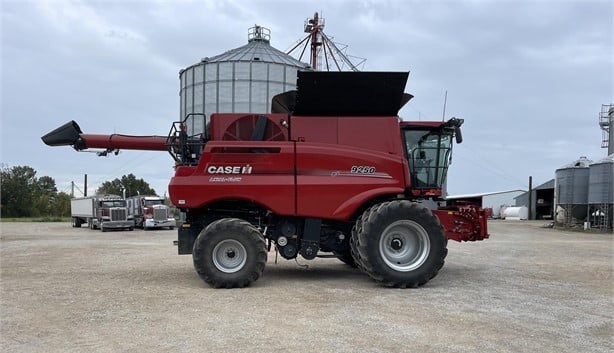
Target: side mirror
{"type": "Point", "coordinates": [458, 134]}
{"type": "Point", "coordinates": [456, 123]}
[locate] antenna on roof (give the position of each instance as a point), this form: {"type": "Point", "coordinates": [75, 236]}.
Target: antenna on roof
{"type": "Point", "coordinates": [445, 101]}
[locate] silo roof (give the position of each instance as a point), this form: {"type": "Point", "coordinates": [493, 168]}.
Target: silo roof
{"type": "Point", "coordinates": [256, 50]}
{"type": "Point", "coordinates": [582, 162]}
{"type": "Point", "coordinates": [606, 160]}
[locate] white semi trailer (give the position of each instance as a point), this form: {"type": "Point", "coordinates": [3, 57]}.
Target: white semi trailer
{"type": "Point", "coordinates": [101, 212]}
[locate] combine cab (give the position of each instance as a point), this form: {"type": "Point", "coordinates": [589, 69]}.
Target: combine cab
{"type": "Point", "coordinates": [332, 171]}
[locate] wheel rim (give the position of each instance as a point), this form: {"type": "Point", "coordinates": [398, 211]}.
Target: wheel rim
{"type": "Point", "coordinates": [404, 245]}
{"type": "Point", "coordinates": [229, 256]}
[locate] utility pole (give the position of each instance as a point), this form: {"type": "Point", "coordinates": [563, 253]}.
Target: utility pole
{"type": "Point", "coordinates": [85, 186]}
{"type": "Point", "coordinates": [530, 198]}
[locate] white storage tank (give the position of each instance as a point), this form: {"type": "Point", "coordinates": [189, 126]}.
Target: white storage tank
{"type": "Point", "coordinates": [515, 213]}
{"type": "Point", "coordinates": [241, 80]}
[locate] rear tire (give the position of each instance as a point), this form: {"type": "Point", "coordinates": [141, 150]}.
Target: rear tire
{"type": "Point", "coordinates": [229, 253]}
{"type": "Point", "coordinates": [401, 244]}
{"type": "Point", "coordinates": [354, 241]}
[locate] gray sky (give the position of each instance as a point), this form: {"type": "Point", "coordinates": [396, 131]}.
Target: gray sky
{"type": "Point", "coordinates": [528, 77]}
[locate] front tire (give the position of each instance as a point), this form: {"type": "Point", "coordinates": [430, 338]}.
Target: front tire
{"type": "Point", "coordinates": [401, 244]}
{"type": "Point", "coordinates": [229, 253]}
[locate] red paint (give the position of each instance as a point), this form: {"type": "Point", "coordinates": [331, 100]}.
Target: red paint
{"type": "Point", "coordinates": [125, 142]}
{"type": "Point", "coordinates": [321, 167]}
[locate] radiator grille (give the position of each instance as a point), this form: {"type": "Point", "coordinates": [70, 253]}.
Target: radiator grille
{"type": "Point", "coordinates": [160, 214]}
{"type": "Point", "coordinates": [118, 214]}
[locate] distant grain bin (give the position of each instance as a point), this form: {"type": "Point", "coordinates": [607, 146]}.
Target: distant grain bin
{"type": "Point", "coordinates": [571, 188]}
{"type": "Point", "coordinates": [241, 80]}
{"type": "Point", "coordinates": [601, 193]}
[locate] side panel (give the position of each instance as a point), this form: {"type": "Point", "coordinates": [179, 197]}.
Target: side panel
{"type": "Point", "coordinates": [257, 171]}
{"type": "Point", "coordinates": [82, 207]}
{"type": "Point", "coordinates": [333, 181]}
{"type": "Point", "coordinates": [377, 134]}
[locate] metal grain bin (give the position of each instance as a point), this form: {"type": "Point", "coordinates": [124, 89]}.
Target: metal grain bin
{"type": "Point", "coordinates": [572, 187]}
{"type": "Point", "coordinates": [241, 80]}
{"type": "Point", "coordinates": [601, 181]}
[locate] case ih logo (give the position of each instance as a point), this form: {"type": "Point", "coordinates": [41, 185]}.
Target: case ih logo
{"type": "Point", "coordinates": [229, 169]}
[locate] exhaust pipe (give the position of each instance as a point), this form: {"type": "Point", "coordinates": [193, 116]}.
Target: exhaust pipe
{"type": "Point", "coordinates": [65, 135]}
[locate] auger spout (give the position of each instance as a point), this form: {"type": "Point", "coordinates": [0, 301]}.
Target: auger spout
{"type": "Point", "coordinates": [70, 134]}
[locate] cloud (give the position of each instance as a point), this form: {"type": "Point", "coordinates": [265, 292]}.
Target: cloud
{"type": "Point", "coordinates": [528, 77]}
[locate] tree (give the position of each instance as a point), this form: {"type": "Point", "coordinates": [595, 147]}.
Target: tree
{"type": "Point", "coordinates": [130, 183]}
{"type": "Point", "coordinates": [44, 196]}
{"type": "Point", "coordinates": [61, 205]}
{"type": "Point", "coordinates": [24, 195]}
{"type": "Point", "coordinates": [18, 187]}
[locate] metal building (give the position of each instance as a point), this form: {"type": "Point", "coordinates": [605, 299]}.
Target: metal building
{"type": "Point", "coordinates": [542, 201]}
{"type": "Point", "coordinates": [241, 80]}
{"type": "Point", "coordinates": [601, 193]}
{"type": "Point", "coordinates": [571, 192]}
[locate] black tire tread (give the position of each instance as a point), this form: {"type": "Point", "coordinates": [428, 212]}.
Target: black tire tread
{"type": "Point", "coordinates": [367, 238]}
{"type": "Point", "coordinates": [243, 277]}
{"type": "Point", "coordinates": [355, 241]}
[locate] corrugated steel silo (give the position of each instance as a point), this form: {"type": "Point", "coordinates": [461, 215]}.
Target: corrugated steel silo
{"type": "Point", "coordinates": [241, 80]}
{"type": "Point", "coordinates": [572, 189]}
{"type": "Point", "coordinates": [601, 192]}
{"type": "Point", "coordinates": [601, 181]}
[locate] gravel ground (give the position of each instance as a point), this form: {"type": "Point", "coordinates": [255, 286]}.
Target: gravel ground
{"type": "Point", "coordinates": [527, 289]}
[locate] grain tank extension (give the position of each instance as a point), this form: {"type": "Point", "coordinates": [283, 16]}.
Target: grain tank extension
{"type": "Point", "coordinates": [332, 171]}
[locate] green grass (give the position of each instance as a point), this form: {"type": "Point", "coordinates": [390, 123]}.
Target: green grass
{"type": "Point", "coordinates": [36, 219]}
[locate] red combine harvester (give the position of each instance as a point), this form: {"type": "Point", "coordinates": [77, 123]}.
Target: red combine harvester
{"type": "Point", "coordinates": [331, 170]}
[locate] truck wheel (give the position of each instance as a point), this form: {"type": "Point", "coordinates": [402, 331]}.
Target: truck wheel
{"type": "Point", "coordinates": [76, 223]}
{"type": "Point", "coordinates": [401, 244]}
{"type": "Point", "coordinates": [229, 253]}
